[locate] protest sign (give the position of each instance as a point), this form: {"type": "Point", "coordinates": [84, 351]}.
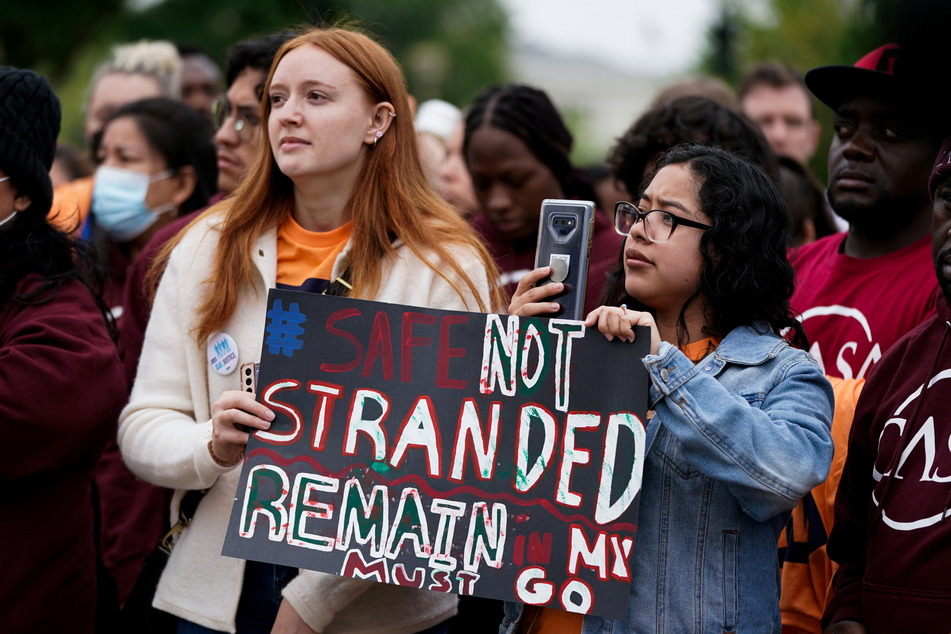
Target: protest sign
{"type": "Point", "coordinates": [477, 454]}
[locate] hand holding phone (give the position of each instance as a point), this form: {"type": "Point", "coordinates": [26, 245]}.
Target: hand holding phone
{"type": "Point", "coordinates": [565, 231]}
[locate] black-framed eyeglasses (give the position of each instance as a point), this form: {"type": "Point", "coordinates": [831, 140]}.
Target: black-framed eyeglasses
{"type": "Point", "coordinates": [245, 123]}
{"type": "Point", "coordinates": [659, 224]}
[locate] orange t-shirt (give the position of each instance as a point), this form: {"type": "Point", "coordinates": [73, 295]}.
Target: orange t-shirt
{"type": "Point", "coordinates": [696, 351]}
{"type": "Point", "coordinates": [305, 259]}
{"type": "Point", "coordinates": [72, 203]}
{"type": "Point", "coordinates": [806, 573]}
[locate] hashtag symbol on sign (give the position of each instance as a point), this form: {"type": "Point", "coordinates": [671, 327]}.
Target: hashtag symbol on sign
{"type": "Point", "coordinates": [284, 328]}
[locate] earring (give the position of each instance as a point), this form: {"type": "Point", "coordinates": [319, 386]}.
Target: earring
{"type": "Point", "coordinates": [392, 114]}
{"type": "Point", "coordinates": [379, 135]}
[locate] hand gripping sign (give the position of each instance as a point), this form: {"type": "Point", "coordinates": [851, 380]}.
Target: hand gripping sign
{"type": "Point", "coordinates": [461, 452]}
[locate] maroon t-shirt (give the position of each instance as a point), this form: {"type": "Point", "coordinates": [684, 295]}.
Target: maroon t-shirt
{"type": "Point", "coordinates": [892, 534]}
{"type": "Point", "coordinates": [854, 309]}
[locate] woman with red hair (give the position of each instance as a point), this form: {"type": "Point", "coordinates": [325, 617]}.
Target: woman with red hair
{"type": "Point", "coordinates": [336, 191]}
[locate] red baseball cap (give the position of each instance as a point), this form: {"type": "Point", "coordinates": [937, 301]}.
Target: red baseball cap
{"type": "Point", "coordinates": [876, 71]}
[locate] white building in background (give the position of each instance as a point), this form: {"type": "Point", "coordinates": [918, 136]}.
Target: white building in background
{"type": "Point", "coordinates": [598, 102]}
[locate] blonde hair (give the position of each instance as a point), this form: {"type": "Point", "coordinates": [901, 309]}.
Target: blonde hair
{"type": "Point", "coordinates": [391, 200]}
{"type": "Point", "coordinates": [157, 59]}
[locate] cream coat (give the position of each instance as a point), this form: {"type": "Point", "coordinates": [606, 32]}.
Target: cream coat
{"type": "Point", "coordinates": [165, 429]}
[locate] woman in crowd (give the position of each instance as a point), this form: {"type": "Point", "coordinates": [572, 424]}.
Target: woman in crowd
{"type": "Point", "coordinates": [337, 190]}
{"type": "Point", "coordinates": [133, 71]}
{"type": "Point", "coordinates": [517, 150]}
{"type": "Point", "coordinates": [61, 382]}
{"type": "Point", "coordinates": [156, 162]}
{"type": "Point", "coordinates": [739, 424]}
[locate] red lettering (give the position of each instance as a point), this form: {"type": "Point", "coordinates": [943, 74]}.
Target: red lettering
{"type": "Point", "coordinates": [343, 334]}
{"type": "Point", "coordinates": [466, 581]}
{"type": "Point", "coordinates": [446, 353]}
{"type": "Point", "coordinates": [380, 347]}
{"type": "Point", "coordinates": [297, 429]}
{"type": "Point", "coordinates": [402, 579]}
{"type": "Point", "coordinates": [441, 581]}
{"type": "Point", "coordinates": [355, 566]}
{"type": "Point", "coordinates": [410, 340]}
{"type": "Point", "coordinates": [539, 548]}
{"type": "Point", "coordinates": [518, 551]}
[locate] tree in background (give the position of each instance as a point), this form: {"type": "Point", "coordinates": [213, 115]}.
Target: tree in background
{"type": "Point", "coordinates": [449, 49]}
{"type": "Point", "coordinates": [810, 33]}
{"type": "Point", "coordinates": [801, 33]}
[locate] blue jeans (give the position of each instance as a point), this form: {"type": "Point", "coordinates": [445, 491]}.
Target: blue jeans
{"type": "Point", "coordinates": [260, 600]}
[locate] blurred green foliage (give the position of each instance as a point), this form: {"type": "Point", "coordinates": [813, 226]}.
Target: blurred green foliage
{"type": "Point", "coordinates": [449, 49]}
{"type": "Point", "coordinates": [800, 33]}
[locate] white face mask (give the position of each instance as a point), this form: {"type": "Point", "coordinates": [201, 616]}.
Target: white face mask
{"type": "Point", "coordinates": [13, 213]}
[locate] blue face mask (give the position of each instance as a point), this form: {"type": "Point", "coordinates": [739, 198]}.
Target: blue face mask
{"type": "Point", "coordinates": [118, 202]}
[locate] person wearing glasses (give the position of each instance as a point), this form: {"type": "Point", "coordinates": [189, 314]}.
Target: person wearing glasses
{"type": "Point", "coordinates": [237, 117]}
{"type": "Point", "coordinates": [236, 142]}
{"type": "Point", "coordinates": [739, 422]}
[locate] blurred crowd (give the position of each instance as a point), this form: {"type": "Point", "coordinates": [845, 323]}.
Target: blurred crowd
{"type": "Point", "coordinates": [305, 164]}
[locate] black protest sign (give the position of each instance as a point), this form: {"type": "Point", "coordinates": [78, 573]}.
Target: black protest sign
{"type": "Point", "coordinates": [462, 452]}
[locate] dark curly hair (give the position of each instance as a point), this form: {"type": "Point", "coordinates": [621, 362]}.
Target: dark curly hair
{"type": "Point", "coordinates": [745, 278]}
{"type": "Point", "coordinates": [687, 120]}
{"type": "Point", "coordinates": [528, 114]}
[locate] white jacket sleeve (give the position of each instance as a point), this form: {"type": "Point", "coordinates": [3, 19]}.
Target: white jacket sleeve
{"type": "Point", "coordinates": [165, 428]}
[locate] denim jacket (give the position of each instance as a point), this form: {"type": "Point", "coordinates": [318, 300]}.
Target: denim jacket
{"type": "Point", "coordinates": [735, 441]}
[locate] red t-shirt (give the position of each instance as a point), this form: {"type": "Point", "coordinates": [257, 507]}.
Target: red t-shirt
{"type": "Point", "coordinates": [854, 309]}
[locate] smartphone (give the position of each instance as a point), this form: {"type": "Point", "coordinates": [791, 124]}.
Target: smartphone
{"type": "Point", "coordinates": [565, 230]}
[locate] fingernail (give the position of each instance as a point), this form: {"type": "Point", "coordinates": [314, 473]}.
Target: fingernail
{"type": "Point", "coordinates": [270, 415]}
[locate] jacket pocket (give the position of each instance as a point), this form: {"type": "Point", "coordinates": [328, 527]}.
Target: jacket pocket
{"type": "Point", "coordinates": [730, 575]}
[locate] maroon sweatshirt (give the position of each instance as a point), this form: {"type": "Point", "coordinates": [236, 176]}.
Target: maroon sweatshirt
{"type": "Point", "coordinates": [61, 390]}
{"type": "Point", "coordinates": [892, 531]}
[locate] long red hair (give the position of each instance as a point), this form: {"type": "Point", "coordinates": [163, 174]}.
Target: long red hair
{"type": "Point", "coordinates": [391, 200]}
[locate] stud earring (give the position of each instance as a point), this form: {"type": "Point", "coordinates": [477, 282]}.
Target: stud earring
{"type": "Point", "coordinates": [379, 135]}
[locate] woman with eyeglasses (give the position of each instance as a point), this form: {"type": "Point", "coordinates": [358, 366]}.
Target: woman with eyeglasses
{"type": "Point", "coordinates": [738, 428]}
{"type": "Point", "coordinates": [337, 191]}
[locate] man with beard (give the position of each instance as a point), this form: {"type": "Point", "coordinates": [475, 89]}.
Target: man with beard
{"type": "Point", "coordinates": [892, 538]}
{"type": "Point", "coordinates": [862, 290]}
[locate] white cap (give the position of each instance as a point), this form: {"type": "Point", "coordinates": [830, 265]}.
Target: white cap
{"type": "Point", "coordinates": [438, 117]}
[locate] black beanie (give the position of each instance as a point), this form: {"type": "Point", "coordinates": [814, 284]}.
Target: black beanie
{"type": "Point", "coordinates": [29, 126]}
